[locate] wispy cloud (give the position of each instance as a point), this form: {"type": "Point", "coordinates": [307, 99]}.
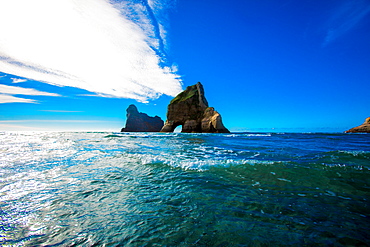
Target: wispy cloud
{"type": "Point", "coordinates": [347, 16]}
{"type": "Point", "coordinates": [51, 121]}
{"type": "Point", "coordinates": [15, 127]}
{"type": "Point", "coordinates": [58, 125]}
{"type": "Point", "coordinates": [5, 98]}
{"type": "Point", "coordinates": [112, 48]}
{"type": "Point", "coordinates": [4, 89]}
{"type": "Point", "coordinates": [7, 92]}
{"type": "Point", "coordinates": [60, 111]}
{"type": "Point", "coordinates": [17, 80]}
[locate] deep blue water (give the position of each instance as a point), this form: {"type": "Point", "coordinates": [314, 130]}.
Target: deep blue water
{"type": "Point", "coordinates": [154, 189]}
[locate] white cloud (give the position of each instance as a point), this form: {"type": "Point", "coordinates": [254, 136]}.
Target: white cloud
{"type": "Point", "coordinates": [4, 89]}
{"type": "Point", "coordinates": [7, 92]}
{"type": "Point", "coordinates": [17, 80]}
{"type": "Point", "coordinates": [5, 98]}
{"type": "Point", "coordinates": [88, 44]}
{"type": "Point", "coordinates": [59, 125]}
{"type": "Point", "coordinates": [51, 121]}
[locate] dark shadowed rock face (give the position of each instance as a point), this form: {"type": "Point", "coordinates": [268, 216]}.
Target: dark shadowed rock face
{"type": "Point", "coordinates": [141, 122]}
{"type": "Point", "coordinates": [363, 128]}
{"type": "Point", "coordinates": [190, 109]}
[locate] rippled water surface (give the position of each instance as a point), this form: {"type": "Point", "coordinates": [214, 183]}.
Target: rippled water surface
{"type": "Point", "coordinates": [154, 189]}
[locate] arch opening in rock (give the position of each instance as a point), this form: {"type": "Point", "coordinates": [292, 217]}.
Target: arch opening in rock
{"type": "Point", "coordinates": [178, 129]}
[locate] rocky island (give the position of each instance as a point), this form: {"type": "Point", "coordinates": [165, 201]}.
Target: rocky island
{"type": "Point", "coordinates": [363, 128]}
{"type": "Point", "coordinates": [141, 122]}
{"type": "Point", "coordinates": [190, 109]}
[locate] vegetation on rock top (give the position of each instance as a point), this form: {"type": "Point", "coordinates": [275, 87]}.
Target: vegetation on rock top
{"type": "Point", "coordinates": [187, 94]}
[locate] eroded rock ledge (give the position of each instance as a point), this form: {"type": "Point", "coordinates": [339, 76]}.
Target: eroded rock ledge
{"type": "Point", "coordinates": [363, 128]}
{"type": "Point", "coordinates": [190, 109]}
{"type": "Point", "coordinates": [141, 122]}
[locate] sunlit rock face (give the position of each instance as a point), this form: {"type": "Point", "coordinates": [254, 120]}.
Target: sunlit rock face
{"type": "Point", "coordinates": [363, 128]}
{"type": "Point", "coordinates": [190, 109]}
{"type": "Point", "coordinates": [141, 122]}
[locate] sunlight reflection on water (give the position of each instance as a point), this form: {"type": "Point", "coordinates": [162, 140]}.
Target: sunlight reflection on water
{"type": "Point", "coordinates": [183, 189]}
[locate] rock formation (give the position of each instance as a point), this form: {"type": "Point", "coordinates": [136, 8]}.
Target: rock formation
{"type": "Point", "coordinates": [190, 109]}
{"type": "Point", "coordinates": [141, 122]}
{"type": "Point", "coordinates": [363, 128]}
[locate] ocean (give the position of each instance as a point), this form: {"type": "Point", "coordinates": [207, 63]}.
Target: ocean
{"type": "Point", "coordinates": [178, 189]}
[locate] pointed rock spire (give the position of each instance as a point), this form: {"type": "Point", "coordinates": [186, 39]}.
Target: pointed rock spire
{"type": "Point", "coordinates": [141, 122]}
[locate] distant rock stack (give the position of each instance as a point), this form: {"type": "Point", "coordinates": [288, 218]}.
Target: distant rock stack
{"type": "Point", "coordinates": [141, 122]}
{"type": "Point", "coordinates": [363, 128]}
{"type": "Point", "coordinates": [190, 109]}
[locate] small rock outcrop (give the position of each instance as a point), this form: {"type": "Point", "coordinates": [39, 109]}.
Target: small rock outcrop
{"type": "Point", "coordinates": [190, 109]}
{"type": "Point", "coordinates": [141, 122]}
{"type": "Point", "coordinates": [363, 128]}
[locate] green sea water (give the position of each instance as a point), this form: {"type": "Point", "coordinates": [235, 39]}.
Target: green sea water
{"type": "Point", "coordinates": [161, 189]}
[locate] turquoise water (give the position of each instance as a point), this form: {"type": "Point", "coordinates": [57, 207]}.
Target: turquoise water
{"type": "Point", "coordinates": [154, 189]}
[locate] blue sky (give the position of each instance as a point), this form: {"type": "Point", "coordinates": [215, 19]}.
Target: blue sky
{"type": "Point", "coordinates": [265, 65]}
